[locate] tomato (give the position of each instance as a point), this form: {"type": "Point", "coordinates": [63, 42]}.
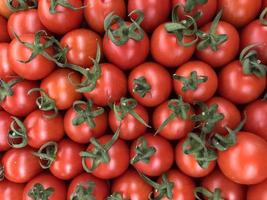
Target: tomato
{"type": "Point", "coordinates": [155, 12]}
{"type": "Point", "coordinates": [5, 121]}
{"type": "Point", "coordinates": [245, 162]}
{"type": "Point", "coordinates": [84, 183]}
{"type": "Point", "coordinates": [239, 12]}
{"type": "Point", "coordinates": [131, 186]}
{"type": "Point", "coordinates": [6, 72]}
{"type": "Point", "coordinates": [20, 165]}
{"type": "Point", "coordinates": [264, 4]}
{"type": "Point", "coordinates": [38, 68]}
{"type": "Point", "coordinates": [257, 191]}
{"type": "Point", "coordinates": [4, 10]}
{"type": "Point", "coordinates": [166, 50]}
{"type": "Point", "coordinates": [59, 87]}
{"type": "Point", "coordinates": [238, 87]}
{"type": "Point", "coordinates": [19, 102]}
{"type": "Point", "coordinates": [4, 37]}
{"type": "Point", "coordinates": [145, 83]}
{"type": "Point", "coordinates": [256, 118]}
{"type": "Point", "coordinates": [62, 19]}
{"type": "Point", "coordinates": [96, 11]}
{"type": "Point", "coordinates": [10, 190]}
{"type": "Point", "coordinates": [189, 165]}
{"type": "Point", "coordinates": [148, 154]}
{"type": "Point", "coordinates": [47, 182]}
{"type": "Point", "coordinates": [82, 45]}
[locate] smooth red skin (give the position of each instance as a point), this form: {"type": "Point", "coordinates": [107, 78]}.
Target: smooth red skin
{"type": "Point", "coordinates": [101, 189]}
{"type": "Point", "coordinates": [40, 129]}
{"type": "Point", "coordinates": [83, 133]}
{"type": "Point", "coordinates": [159, 80]}
{"type": "Point", "coordinates": [166, 50]}
{"type": "Point", "coordinates": [4, 10]}
{"type": "Point", "coordinates": [226, 52]}
{"type": "Point", "coordinates": [176, 128]}
{"type": "Point", "coordinates": [6, 72]}
{"type": "Point", "coordinates": [36, 69]}
{"type": "Point", "coordinates": [183, 188]}
{"type": "Point", "coordinates": [110, 87]}
{"type": "Point", "coordinates": [10, 190]}
{"type": "Point", "coordinates": [264, 4]}
{"type": "Point", "coordinates": [63, 21]}
{"type": "Point", "coordinates": [208, 9]}
{"type": "Point", "coordinates": [246, 161]}
{"type": "Point", "coordinates": [130, 127]}
{"type": "Point", "coordinates": [68, 162]}
{"type": "Point", "coordinates": [257, 191]}
{"type": "Point", "coordinates": [5, 121]}
{"type": "Point", "coordinates": [256, 33]}
{"type": "Point", "coordinates": [256, 118]}
{"type": "Point", "coordinates": [4, 37]}
{"type": "Point", "coordinates": [229, 189]}
{"type": "Point", "coordinates": [237, 87]}
{"type": "Point", "coordinates": [188, 164]}
{"type": "Point", "coordinates": [131, 186]}
{"type": "Point", "coordinates": [20, 103]}
{"type": "Point", "coordinates": [232, 116]}
{"type": "Point", "coordinates": [119, 159]}
{"type": "Point", "coordinates": [160, 162]}
{"type": "Point", "coordinates": [155, 12]}
{"type": "Point", "coordinates": [82, 45]}
{"type": "Point", "coordinates": [59, 87]}
{"type": "Point", "coordinates": [204, 90]}
{"type": "Point", "coordinates": [96, 11]}
{"type": "Point", "coordinates": [24, 22]}
{"type": "Point", "coordinates": [239, 12]}
{"type": "Point", "coordinates": [20, 165]}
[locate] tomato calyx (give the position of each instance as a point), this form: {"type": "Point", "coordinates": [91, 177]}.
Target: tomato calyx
{"type": "Point", "coordinates": [116, 196]}
{"type": "Point", "coordinates": [17, 133]}
{"type": "Point", "coordinates": [119, 36]}
{"type": "Point", "coordinates": [216, 195]}
{"type": "Point", "coordinates": [63, 3]}
{"type": "Point", "coordinates": [211, 39]}
{"type": "Point", "coordinates": [38, 192]}
{"type": "Point", "coordinates": [141, 86]}
{"type": "Point", "coordinates": [6, 88]}
{"type": "Point", "coordinates": [2, 175]}
{"type": "Point", "coordinates": [20, 5]}
{"type": "Point", "coordinates": [87, 113]}
{"type": "Point", "coordinates": [191, 4]}
{"type": "Point", "coordinates": [263, 17]}
{"type": "Point", "coordinates": [84, 191]}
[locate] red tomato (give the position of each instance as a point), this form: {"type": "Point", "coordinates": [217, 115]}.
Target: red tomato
{"type": "Point", "coordinates": [257, 191]}
{"type": "Point", "coordinates": [48, 182]}
{"type": "Point", "coordinates": [10, 190]}
{"type": "Point", "coordinates": [4, 37]}
{"type": "Point", "coordinates": [63, 19]}
{"type": "Point", "coordinates": [264, 4]}
{"type": "Point", "coordinates": [5, 121]}
{"type": "Point", "coordinates": [166, 50]}
{"type": "Point", "coordinates": [155, 12]}
{"type": "Point", "coordinates": [20, 165]}
{"type": "Point", "coordinates": [82, 45]}
{"type": "Point", "coordinates": [145, 84]}
{"type": "Point", "coordinates": [4, 10]}
{"type": "Point", "coordinates": [96, 11]}
{"type": "Point", "coordinates": [87, 182]}
{"type": "Point", "coordinates": [239, 12]}
{"type": "Point", "coordinates": [157, 161]}
{"type": "Point", "coordinates": [6, 72]}
{"type": "Point", "coordinates": [245, 162]}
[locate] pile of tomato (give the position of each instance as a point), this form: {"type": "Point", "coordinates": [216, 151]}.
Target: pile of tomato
{"type": "Point", "coordinates": [133, 99]}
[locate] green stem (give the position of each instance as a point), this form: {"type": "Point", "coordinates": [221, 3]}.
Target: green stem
{"type": "Point", "coordinates": [84, 192]}
{"type": "Point", "coordinates": [38, 192]}
{"type": "Point", "coordinates": [17, 133]}
{"type": "Point", "coordinates": [191, 4]}
{"type": "Point", "coordinates": [263, 15]}
{"type": "Point", "coordinates": [63, 3]}
{"type": "Point", "coordinates": [141, 86]}
{"type": "Point", "coordinates": [6, 88]}
{"type": "Point", "coordinates": [21, 5]}
{"type": "Point", "coordinates": [216, 195]}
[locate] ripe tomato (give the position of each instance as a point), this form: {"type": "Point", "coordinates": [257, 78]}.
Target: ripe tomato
{"type": "Point", "coordinates": [48, 182]}
{"type": "Point", "coordinates": [20, 165]}
{"type": "Point", "coordinates": [239, 12]}
{"type": "Point", "coordinates": [4, 37]}
{"type": "Point", "coordinates": [4, 10]}
{"type": "Point", "coordinates": [245, 162]}
{"type": "Point", "coordinates": [257, 191]}
{"type": "Point", "coordinates": [62, 19]}
{"type": "Point", "coordinates": [89, 186]}
{"type": "Point", "coordinates": [10, 190]}
{"type": "Point", "coordinates": [5, 121]}
{"type": "Point", "coordinates": [148, 154]}
{"type": "Point", "coordinates": [264, 4]}
{"type": "Point", "coordinates": [145, 84]}
{"type": "Point", "coordinates": [96, 11]}
{"type": "Point", "coordinates": [82, 45]}
{"type": "Point", "coordinates": [6, 72]}
{"type": "Point", "coordinates": [155, 12]}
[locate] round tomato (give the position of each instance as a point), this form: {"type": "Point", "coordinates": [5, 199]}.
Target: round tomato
{"type": "Point", "coordinates": [5, 121]}
{"type": "Point", "coordinates": [6, 72]}
{"type": "Point", "coordinates": [257, 191]}
{"type": "Point", "coordinates": [10, 190]}
{"type": "Point", "coordinates": [4, 37]}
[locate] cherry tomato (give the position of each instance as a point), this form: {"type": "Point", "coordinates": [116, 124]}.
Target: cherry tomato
{"type": "Point", "coordinates": [5, 121]}
{"type": "Point", "coordinates": [6, 72]}
{"type": "Point", "coordinates": [257, 191]}
{"type": "Point", "coordinates": [10, 190]}
{"type": "Point", "coordinates": [4, 37]}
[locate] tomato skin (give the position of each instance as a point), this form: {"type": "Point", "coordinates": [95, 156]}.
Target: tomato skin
{"type": "Point", "coordinates": [257, 191]}
{"type": "Point", "coordinates": [36, 69]}
{"type": "Point", "coordinates": [4, 10]}
{"type": "Point", "coordinates": [5, 121]}
{"type": "Point", "coordinates": [101, 189]}
{"type": "Point", "coordinates": [58, 87]}
{"type": "Point", "coordinates": [188, 164]}
{"type": "Point", "coordinates": [63, 21]}
{"type": "Point", "coordinates": [237, 87]}
{"type": "Point", "coordinates": [227, 50]}
{"type": "Point", "coordinates": [82, 45]}
{"type": "Point", "coordinates": [243, 166]}
{"type": "Point", "coordinates": [131, 186]}
{"type": "Point", "coordinates": [20, 165]}
{"type": "Point", "coordinates": [264, 4]}
{"type": "Point", "coordinates": [159, 162]}
{"type": "Point", "coordinates": [155, 12]}
{"type": "Point", "coordinates": [10, 190]}
{"type": "Point", "coordinates": [6, 72]}
{"type": "Point", "coordinates": [20, 103]}
{"type": "Point", "coordinates": [107, 89]}
{"type": "Point", "coordinates": [166, 50]}
{"type": "Point", "coordinates": [4, 37]}
{"type": "Point", "coordinates": [155, 76]}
